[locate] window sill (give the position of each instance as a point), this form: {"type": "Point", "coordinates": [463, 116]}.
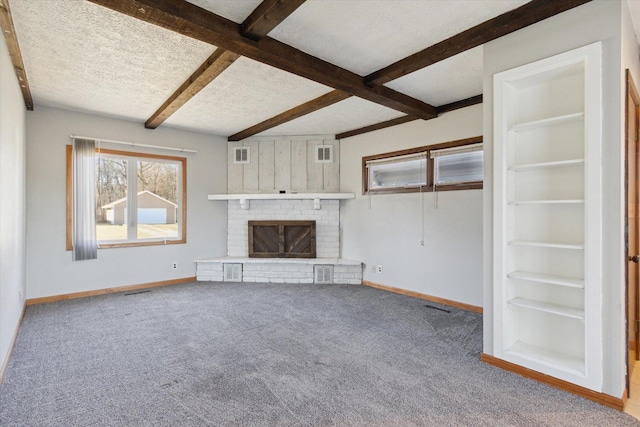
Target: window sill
{"type": "Point", "coordinates": [138, 244]}
{"type": "Point", "coordinates": [439, 188]}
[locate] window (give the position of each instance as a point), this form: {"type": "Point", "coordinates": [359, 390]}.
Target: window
{"type": "Point", "coordinates": [140, 199]}
{"type": "Point", "coordinates": [455, 165]}
{"type": "Point", "coordinates": [398, 172]}
{"type": "Point", "coordinates": [458, 165]}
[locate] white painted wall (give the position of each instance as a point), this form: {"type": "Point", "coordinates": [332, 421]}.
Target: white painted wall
{"type": "Point", "coordinates": [12, 202]}
{"type": "Point", "coordinates": [50, 270]}
{"type": "Point", "coordinates": [387, 229]}
{"type": "Point", "coordinates": [630, 52]}
{"type": "Point", "coordinates": [595, 21]}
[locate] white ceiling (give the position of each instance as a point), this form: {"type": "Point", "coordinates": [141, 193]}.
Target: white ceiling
{"type": "Point", "coordinates": [375, 33]}
{"type": "Point", "coordinates": [247, 93]}
{"type": "Point", "coordinates": [352, 113]}
{"type": "Point", "coordinates": [85, 57]}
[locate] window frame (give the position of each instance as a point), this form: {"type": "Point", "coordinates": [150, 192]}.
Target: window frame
{"type": "Point", "coordinates": [430, 169]}
{"type": "Point", "coordinates": [404, 161]}
{"type": "Point", "coordinates": [145, 242]}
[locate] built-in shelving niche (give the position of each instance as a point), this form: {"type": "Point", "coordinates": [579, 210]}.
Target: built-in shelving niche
{"type": "Point", "coordinates": [547, 216]}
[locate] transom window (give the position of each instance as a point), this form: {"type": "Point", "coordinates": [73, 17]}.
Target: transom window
{"type": "Point", "coordinates": [458, 165]}
{"type": "Point", "coordinates": [455, 165]}
{"type": "Point", "coordinates": [402, 171]}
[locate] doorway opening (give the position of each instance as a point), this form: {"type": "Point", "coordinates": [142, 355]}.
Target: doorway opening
{"type": "Point", "coordinates": [632, 229]}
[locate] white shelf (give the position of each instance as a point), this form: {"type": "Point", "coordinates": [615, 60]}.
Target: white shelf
{"type": "Point", "coordinates": [547, 202]}
{"type": "Point", "coordinates": [554, 359]}
{"type": "Point", "coordinates": [551, 121]}
{"type": "Point", "coordinates": [283, 196]}
{"type": "Point", "coordinates": [547, 165]}
{"type": "Point", "coordinates": [545, 244]}
{"type": "Point", "coordinates": [547, 278]}
{"type": "Point", "coordinates": [244, 199]}
{"type": "Point", "coordinates": [560, 310]}
{"type": "Point", "coordinates": [547, 216]}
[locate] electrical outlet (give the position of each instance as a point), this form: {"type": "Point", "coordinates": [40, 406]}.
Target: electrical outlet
{"type": "Point", "coordinates": [174, 266]}
{"type": "Point", "coordinates": [378, 268]}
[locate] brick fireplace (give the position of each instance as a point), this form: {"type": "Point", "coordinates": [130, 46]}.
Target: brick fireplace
{"type": "Point", "coordinates": [323, 210]}
{"type": "Point", "coordinates": [327, 220]}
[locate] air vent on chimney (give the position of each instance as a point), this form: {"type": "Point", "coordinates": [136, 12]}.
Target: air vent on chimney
{"type": "Point", "coordinates": [241, 155]}
{"type": "Point", "coordinates": [232, 272]}
{"type": "Point", "coordinates": [324, 153]}
{"type": "Point", "coordinates": [323, 274]}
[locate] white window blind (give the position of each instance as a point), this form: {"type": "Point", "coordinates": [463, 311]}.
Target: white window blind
{"type": "Point", "coordinates": [458, 165]}
{"type": "Point", "coordinates": [85, 245]}
{"type": "Point", "coordinates": [400, 171]}
{"type": "Point", "coordinates": [456, 150]}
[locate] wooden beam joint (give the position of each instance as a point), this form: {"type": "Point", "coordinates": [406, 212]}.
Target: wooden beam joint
{"type": "Point", "coordinates": [406, 119]}
{"type": "Point", "coordinates": [267, 16]}
{"type": "Point", "coordinates": [514, 20]}
{"type": "Point", "coordinates": [192, 21]}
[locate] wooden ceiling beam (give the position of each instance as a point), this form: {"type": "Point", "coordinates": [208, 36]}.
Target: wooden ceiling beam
{"type": "Point", "coordinates": [376, 126]}
{"type": "Point", "coordinates": [192, 21]}
{"type": "Point", "coordinates": [9, 31]}
{"type": "Point", "coordinates": [501, 25]}
{"type": "Point", "coordinates": [219, 61]}
{"type": "Point", "coordinates": [406, 119]}
{"type": "Point", "coordinates": [459, 104]}
{"type": "Point", "coordinates": [263, 19]}
{"type": "Point", "coordinates": [267, 16]}
{"type": "Point", "coordinates": [298, 111]}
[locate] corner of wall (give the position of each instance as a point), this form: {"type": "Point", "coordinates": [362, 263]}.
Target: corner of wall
{"type": "Point", "coordinates": [12, 203]}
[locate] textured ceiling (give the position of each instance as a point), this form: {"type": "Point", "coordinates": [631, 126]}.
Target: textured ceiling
{"type": "Point", "coordinates": [247, 93]}
{"type": "Point", "coordinates": [235, 10]}
{"type": "Point", "coordinates": [453, 79]}
{"type": "Point", "coordinates": [375, 33]}
{"type": "Point", "coordinates": [85, 57]}
{"type": "Point", "coordinates": [345, 115]}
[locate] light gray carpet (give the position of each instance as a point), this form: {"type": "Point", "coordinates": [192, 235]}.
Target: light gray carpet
{"type": "Point", "coordinates": [269, 354]}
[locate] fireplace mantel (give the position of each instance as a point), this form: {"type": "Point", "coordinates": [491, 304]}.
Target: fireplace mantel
{"type": "Point", "coordinates": [316, 197]}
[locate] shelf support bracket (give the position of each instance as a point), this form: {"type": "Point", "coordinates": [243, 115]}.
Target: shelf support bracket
{"type": "Point", "coordinates": [244, 204]}
{"type": "Point", "coordinates": [316, 204]}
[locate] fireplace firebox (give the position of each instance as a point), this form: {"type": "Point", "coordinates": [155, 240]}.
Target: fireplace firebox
{"type": "Point", "coordinates": [282, 239]}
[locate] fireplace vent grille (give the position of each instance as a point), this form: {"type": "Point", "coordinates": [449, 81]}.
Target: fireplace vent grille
{"type": "Point", "coordinates": [241, 155]}
{"type": "Point", "coordinates": [323, 274]}
{"type": "Point", "coordinates": [324, 154]}
{"type": "Point", "coordinates": [233, 272]}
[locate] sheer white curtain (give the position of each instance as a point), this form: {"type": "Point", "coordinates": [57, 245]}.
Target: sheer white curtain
{"type": "Point", "coordinates": [85, 244]}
